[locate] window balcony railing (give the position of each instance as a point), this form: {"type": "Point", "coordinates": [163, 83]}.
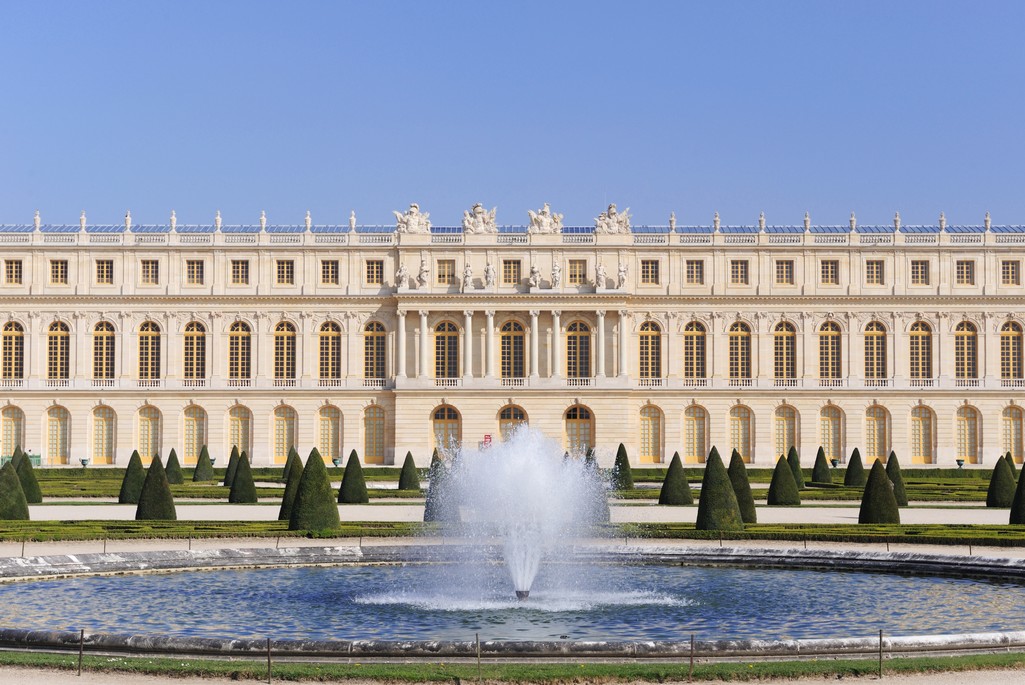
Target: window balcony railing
{"type": "Point", "coordinates": [103, 382]}
{"type": "Point", "coordinates": [333, 382]}
{"type": "Point", "coordinates": [12, 382]}
{"type": "Point", "coordinates": [284, 383]}
{"type": "Point", "coordinates": [877, 382]}
{"type": "Point", "coordinates": [966, 382]}
{"type": "Point", "coordinates": [695, 382]}
{"type": "Point", "coordinates": [579, 382]}
{"type": "Point", "coordinates": [149, 383]}
{"type": "Point", "coordinates": [240, 382]}
{"type": "Point", "coordinates": [379, 382]}
{"type": "Point", "coordinates": [923, 382]}
{"type": "Point", "coordinates": [193, 382]}
{"type": "Point", "coordinates": [58, 382]}
{"type": "Point", "coordinates": [514, 382]}
{"type": "Point", "coordinates": [1012, 382]}
{"type": "Point", "coordinates": [448, 382]}
{"type": "Point", "coordinates": [650, 382]}
{"type": "Point", "coordinates": [832, 382]}
{"type": "Point", "coordinates": [785, 382]}
{"type": "Point", "coordinates": [740, 382]}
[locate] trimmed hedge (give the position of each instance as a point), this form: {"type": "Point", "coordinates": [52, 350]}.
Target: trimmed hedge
{"type": "Point", "coordinates": [290, 461]}
{"type": "Point", "coordinates": [878, 505]}
{"type": "Point", "coordinates": [292, 487]}
{"type": "Point", "coordinates": [1018, 504]}
{"type": "Point", "coordinates": [893, 472]}
{"type": "Point", "coordinates": [783, 490]}
{"type": "Point", "coordinates": [17, 456]}
{"type": "Point", "coordinates": [1001, 486]}
{"type": "Point", "coordinates": [174, 469]}
{"type": "Point", "coordinates": [353, 489]}
{"type": "Point", "coordinates": [409, 479]}
{"type": "Point", "coordinates": [29, 484]}
{"type": "Point", "coordinates": [243, 489]}
{"type": "Point", "coordinates": [855, 477]}
{"type": "Point", "coordinates": [795, 467]}
{"type": "Point", "coordinates": [229, 474]}
{"type": "Point", "coordinates": [717, 506]}
{"type": "Point", "coordinates": [1010, 462]}
{"type": "Point", "coordinates": [314, 508]}
{"type": "Point", "coordinates": [131, 484]}
{"type": "Point", "coordinates": [204, 467]}
{"type": "Point", "coordinates": [821, 472]}
{"type": "Point", "coordinates": [742, 488]}
{"type": "Point", "coordinates": [675, 488]}
{"type": "Point", "coordinates": [622, 476]}
{"type": "Point", "coordinates": [156, 501]}
{"type": "Point", "coordinates": [13, 506]}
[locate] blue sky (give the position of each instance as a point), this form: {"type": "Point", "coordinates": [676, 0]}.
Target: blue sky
{"type": "Point", "coordinates": [738, 107]}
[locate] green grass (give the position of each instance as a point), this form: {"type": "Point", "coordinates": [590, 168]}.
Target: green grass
{"type": "Point", "coordinates": [40, 531]}
{"type": "Point", "coordinates": [931, 490]}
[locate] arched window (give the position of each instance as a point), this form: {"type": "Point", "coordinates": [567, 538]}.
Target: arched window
{"type": "Point", "coordinates": [966, 351]}
{"type": "Point", "coordinates": [446, 350]}
{"type": "Point", "coordinates": [195, 433]}
{"type": "Point", "coordinates": [194, 353]}
{"type": "Point", "coordinates": [512, 350]}
{"type": "Point", "coordinates": [149, 433]}
{"type": "Point", "coordinates": [58, 351]}
{"type": "Point", "coordinates": [650, 350]}
{"type": "Point", "coordinates": [831, 432]}
{"type": "Point", "coordinates": [510, 418]}
{"type": "Point", "coordinates": [285, 424]}
{"type": "Point", "coordinates": [1011, 366]}
{"type": "Point", "coordinates": [12, 429]}
{"type": "Point", "coordinates": [740, 351]}
{"type": "Point", "coordinates": [103, 351]}
{"type": "Point", "coordinates": [830, 351]}
{"type": "Point", "coordinates": [651, 435]}
{"type": "Point", "coordinates": [58, 436]}
{"type": "Point", "coordinates": [695, 442]}
{"type": "Point", "coordinates": [875, 351]}
{"type": "Point", "coordinates": [579, 430]}
{"type": "Point", "coordinates": [784, 352]}
{"type": "Point", "coordinates": [447, 429]}
{"type": "Point", "coordinates": [785, 420]}
{"type": "Point", "coordinates": [149, 352]}
{"type": "Point", "coordinates": [284, 352]}
{"type": "Point", "coordinates": [104, 436]}
{"type": "Point", "coordinates": [239, 354]}
{"type": "Point", "coordinates": [578, 350]}
{"type": "Point", "coordinates": [740, 431]}
{"type": "Point", "coordinates": [330, 353]}
{"type": "Point", "coordinates": [373, 350]}
{"type": "Point", "coordinates": [694, 350]}
{"type": "Point", "coordinates": [330, 443]}
{"type": "Point", "coordinates": [1013, 431]}
{"type": "Point", "coordinates": [968, 434]}
{"type": "Point", "coordinates": [921, 435]}
{"type": "Point", "coordinates": [13, 351]}
{"type": "Point", "coordinates": [877, 434]}
{"type": "Point", "coordinates": [373, 435]}
{"type": "Point", "coordinates": [240, 422]}
{"type": "Point", "coordinates": [920, 350]}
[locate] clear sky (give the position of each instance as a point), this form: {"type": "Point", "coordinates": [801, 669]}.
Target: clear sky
{"type": "Point", "coordinates": [329, 106]}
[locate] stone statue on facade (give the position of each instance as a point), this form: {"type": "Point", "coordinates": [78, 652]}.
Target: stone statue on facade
{"type": "Point", "coordinates": [479, 220]}
{"type": "Point", "coordinates": [402, 276]}
{"type": "Point", "coordinates": [601, 276]}
{"type": "Point", "coordinates": [413, 221]}
{"type": "Point", "coordinates": [556, 275]}
{"type": "Point", "coordinates": [613, 222]}
{"type": "Point", "coordinates": [544, 220]}
{"type": "Point", "coordinates": [422, 277]}
{"type": "Point", "coordinates": [352, 221]}
{"type": "Point", "coordinates": [621, 276]}
{"type": "Point", "coordinates": [467, 278]}
{"type": "Point", "coordinates": [489, 276]}
{"type": "Point", "coordinates": [535, 276]}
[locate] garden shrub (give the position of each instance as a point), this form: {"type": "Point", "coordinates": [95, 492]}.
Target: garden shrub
{"type": "Point", "coordinates": [1001, 485]}
{"type": "Point", "coordinates": [1014, 467]}
{"type": "Point", "coordinates": [821, 472]}
{"type": "Point", "coordinates": [290, 461]}
{"type": "Point", "coordinates": [156, 502]}
{"type": "Point", "coordinates": [243, 489]}
{"type": "Point", "coordinates": [292, 487]}
{"type": "Point", "coordinates": [131, 484]}
{"type": "Point", "coordinates": [174, 469]}
{"type": "Point", "coordinates": [314, 507]}
{"type": "Point", "coordinates": [742, 488]}
{"type": "Point", "coordinates": [795, 467]}
{"type": "Point", "coordinates": [675, 488]}
{"type": "Point", "coordinates": [783, 490]}
{"type": "Point", "coordinates": [878, 505]}
{"type": "Point", "coordinates": [13, 505]}
{"type": "Point", "coordinates": [893, 471]}
{"type": "Point", "coordinates": [434, 457]}
{"type": "Point", "coordinates": [229, 473]}
{"type": "Point", "coordinates": [855, 476]}
{"type": "Point", "coordinates": [717, 505]}
{"type": "Point", "coordinates": [409, 479]}
{"type": "Point", "coordinates": [17, 456]}
{"type": "Point", "coordinates": [204, 467]}
{"type": "Point", "coordinates": [590, 459]}
{"type": "Point", "coordinates": [353, 489]}
{"type": "Point", "coordinates": [29, 484]}
{"type": "Point", "coordinates": [622, 476]}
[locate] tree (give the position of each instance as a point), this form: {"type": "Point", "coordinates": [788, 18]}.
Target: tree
{"type": "Point", "coordinates": [314, 507]}
{"type": "Point", "coordinates": [717, 504]}
{"type": "Point", "coordinates": [1017, 505]}
{"type": "Point", "coordinates": [1001, 485]}
{"type": "Point", "coordinates": [435, 459]}
{"type": "Point", "coordinates": [156, 502]}
{"type": "Point", "coordinates": [29, 484]}
{"type": "Point", "coordinates": [437, 506]}
{"type": "Point", "coordinates": [893, 472]}
{"type": "Point", "coordinates": [243, 489]}
{"type": "Point", "coordinates": [229, 474]}
{"type": "Point", "coordinates": [795, 466]}
{"type": "Point", "coordinates": [1010, 462]}
{"type": "Point", "coordinates": [353, 489]}
{"type": "Point", "coordinates": [855, 476]}
{"type": "Point", "coordinates": [675, 488]}
{"type": "Point", "coordinates": [292, 487]}
{"type": "Point", "coordinates": [742, 488]}
{"type": "Point", "coordinates": [590, 460]}
{"type": "Point", "coordinates": [622, 477]}
{"type": "Point", "coordinates": [204, 467]}
{"type": "Point", "coordinates": [293, 458]}
{"type": "Point", "coordinates": [174, 469]}
{"type": "Point", "coordinates": [131, 484]}
{"type": "Point", "coordinates": [13, 506]}
{"type": "Point", "coordinates": [409, 479]}
{"type": "Point", "coordinates": [878, 505]}
{"type": "Point", "coordinates": [783, 490]}
{"type": "Point", "coordinates": [17, 456]}
{"type": "Point", "coordinates": [821, 472]}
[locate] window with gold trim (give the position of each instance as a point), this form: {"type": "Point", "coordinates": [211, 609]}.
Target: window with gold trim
{"type": "Point", "coordinates": [877, 434]}
{"type": "Point", "coordinates": [285, 272]}
{"type": "Point", "coordinates": [829, 272]}
{"type": "Point", "coordinates": [58, 272]}
{"type": "Point", "coordinates": [150, 273]}
{"type": "Point", "coordinates": [740, 351]}
{"type": "Point", "coordinates": [695, 272]}
{"type": "Point", "coordinates": [373, 350]}
{"type": "Point", "coordinates": [1011, 362]}
{"type": "Point", "coordinates": [240, 422]}
{"type": "Point", "coordinates": [285, 426]}
{"type": "Point", "coordinates": [784, 351]}
{"type": "Point", "coordinates": [1010, 272]}
{"type": "Point", "coordinates": [694, 350]}
{"type": "Point", "coordinates": [577, 271]}
{"type": "Point", "coordinates": [874, 272]}
{"type": "Point", "coordinates": [12, 430]}
{"type": "Point", "coordinates": [741, 432]}
{"type": "Point", "coordinates": [964, 270]}
{"type": "Point", "coordinates": [194, 269]}
{"type": "Point", "coordinates": [149, 351]}
{"type": "Point", "coordinates": [968, 434]}
{"type": "Point", "coordinates": [12, 272]}
{"type": "Point", "coordinates": [13, 351]}
{"type": "Point", "coordinates": [329, 272]}
{"type": "Point", "coordinates": [240, 272]}
{"type": "Point", "coordinates": [104, 437]}
{"type": "Point", "coordinates": [58, 351]}
{"type": "Point", "coordinates": [739, 272]}
{"type": "Point", "coordinates": [194, 351]}
{"type": "Point", "coordinates": [875, 351]}
{"type": "Point", "coordinates": [239, 352]}
{"type": "Point", "coordinates": [512, 272]}
{"type": "Point", "coordinates": [1013, 429]}
{"type": "Point", "coordinates": [104, 271]}
{"type": "Point", "coordinates": [919, 272]}
{"type": "Point", "coordinates": [921, 435]}
{"type": "Point", "coordinates": [695, 442]}
{"type": "Point", "coordinates": [579, 430]}
{"type": "Point", "coordinates": [649, 272]}
{"type": "Point", "coordinates": [58, 436]}
{"type": "Point", "coordinates": [650, 350]}
{"type": "Point", "coordinates": [966, 351]}
{"type": "Point", "coordinates": [578, 350]}
{"type": "Point", "coordinates": [831, 432]}
{"type": "Point", "coordinates": [149, 433]}
{"type": "Point", "coordinates": [194, 419]}
{"type": "Point", "coordinates": [103, 351]}
{"type": "Point", "coordinates": [447, 430]}
{"type": "Point", "coordinates": [330, 443]}
{"type": "Point", "coordinates": [330, 352]}
{"type": "Point", "coordinates": [785, 429]}
{"type": "Point", "coordinates": [446, 272]}
{"type": "Point", "coordinates": [373, 435]}
{"type": "Point", "coordinates": [510, 418]}
{"type": "Point", "coordinates": [785, 272]}
{"type": "Point", "coordinates": [830, 351]}
{"type": "Point", "coordinates": [446, 350]}
{"type": "Point", "coordinates": [920, 350]}
{"type": "Point", "coordinates": [512, 350]}
{"type": "Point", "coordinates": [284, 351]}
{"type": "Point", "coordinates": [651, 435]}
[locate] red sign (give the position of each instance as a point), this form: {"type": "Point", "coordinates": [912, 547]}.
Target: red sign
{"type": "Point", "coordinates": [487, 440]}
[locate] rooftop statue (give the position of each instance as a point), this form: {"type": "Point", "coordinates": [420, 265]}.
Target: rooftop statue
{"type": "Point", "coordinates": [479, 220]}
{"type": "Point", "coordinates": [544, 220]}
{"type": "Point", "coordinates": [612, 222]}
{"type": "Point", "coordinates": [413, 221]}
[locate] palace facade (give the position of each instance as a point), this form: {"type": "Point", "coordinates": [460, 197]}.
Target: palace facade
{"type": "Point", "coordinates": [388, 339]}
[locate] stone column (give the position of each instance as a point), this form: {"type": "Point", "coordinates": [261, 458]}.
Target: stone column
{"type": "Point", "coordinates": [624, 334]}
{"type": "Point", "coordinates": [467, 344]}
{"type": "Point", "coordinates": [425, 352]}
{"type": "Point", "coordinates": [489, 345]}
{"type": "Point", "coordinates": [600, 345]}
{"type": "Point", "coordinates": [556, 344]}
{"type": "Point", "coordinates": [400, 339]}
{"type": "Point", "coordinates": [533, 343]}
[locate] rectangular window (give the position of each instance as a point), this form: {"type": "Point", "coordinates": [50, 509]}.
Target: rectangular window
{"type": "Point", "coordinates": [194, 271]}
{"type": "Point", "coordinates": [965, 272]}
{"type": "Point", "coordinates": [375, 272]}
{"type": "Point", "coordinates": [12, 271]}
{"type": "Point", "coordinates": [649, 272]}
{"type": "Point", "coordinates": [58, 272]}
{"type": "Point", "coordinates": [874, 272]}
{"type": "Point", "coordinates": [240, 272]}
{"type": "Point", "coordinates": [577, 271]}
{"type": "Point", "coordinates": [784, 272]}
{"type": "Point", "coordinates": [285, 272]}
{"type": "Point", "coordinates": [511, 274]}
{"type": "Point", "coordinates": [695, 272]}
{"type": "Point", "coordinates": [150, 272]}
{"type": "Point", "coordinates": [104, 271]}
{"type": "Point", "coordinates": [446, 272]}
{"type": "Point", "coordinates": [739, 274]}
{"type": "Point", "coordinates": [830, 269]}
{"type": "Point", "coordinates": [919, 272]}
{"type": "Point", "coordinates": [329, 272]}
{"type": "Point", "coordinates": [1010, 272]}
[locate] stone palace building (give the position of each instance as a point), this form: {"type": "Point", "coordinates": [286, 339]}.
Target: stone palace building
{"type": "Point", "coordinates": [410, 336]}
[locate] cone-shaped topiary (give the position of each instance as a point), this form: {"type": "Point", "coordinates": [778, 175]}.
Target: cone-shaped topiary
{"type": "Point", "coordinates": [13, 506]}
{"type": "Point", "coordinates": [131, 484]}
{"type": "Point", "coordinates": [717, 504]}
{"type": "Point", "coordinates": [229, 473]}
{"type": "Point", "coordinates": [314, 507]}
{"type": "Point", "coordinates": [1010, 462]}
{"type": "Point", "coordinates": [17, 456]}
{"type": "Point", "coordinates": [893, 471]}
{"type": "Point", "coordinates": [434, 457]}
{"type": "Point", "coordinates": [590, 460]}
{"type": "Point", "coordinates": [204, 467]}
{"type": "Point", "coordinates": [156, 502]}
{"type": "Point", "coordinates": [622, 477]}
{"type": "Point", "coordinates": [1018, 505]}
{"type": "Point", "coordinates": [29, 484]}
{"type": "Point", "coordinates": [243, 489]}
{"type": "Point", "coordinates": [292, 487]}
{"type": "Point", "coordinates": [878, 505]}
{"type": "Point", "coordinates": [783, 490]}
{"type": "Point", "coordinates": [290, 461]}
{"type": "Point", "coordinates": [1001, 485]}
{"type": "Point", "coordinates": [675, 488]}
{"type": "Point", "coordinates": [441, 504]}
{"type": "Point", "coordinates": [174, 469]}
{"type": "Point", "coordinates": [855, 476]}
{"type": "Point", "coordinates": [795, 467]}
{"type": "Point", "coordinates": [353, 489]}
{"type": "Point", "coordinates": [821, 472]}
{"type": "Point", "coordinates": [409, 479]}
{"type": "Point", "coordinates": [742, 488]}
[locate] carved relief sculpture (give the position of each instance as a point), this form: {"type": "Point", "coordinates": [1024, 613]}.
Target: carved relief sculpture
{"type": "Point", "coordinates": [613, 222]}
{"type": "Point", "coordinates": [544, 221]}
{"type": "Point", "coordinates": [621, 276]}
{"type": "Point", "coordinates": [601, 276]}
{"type": "Point", "coordinates": [556, 275]}
{"type": "Point", "coordinates": [422, 277]}
{"type": "Point", "coordinates": [467, 278]}
{"type": "Point", "coordinates": [489, 276]}
{"type": "Point", "coordinates": [402, 276]}
{"type": "Point", "coordinates": [479, 220]}
{"type": "Point", "coordinates": [535, 276]}
{"type": "Point", "coordinates": [413, 221]}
